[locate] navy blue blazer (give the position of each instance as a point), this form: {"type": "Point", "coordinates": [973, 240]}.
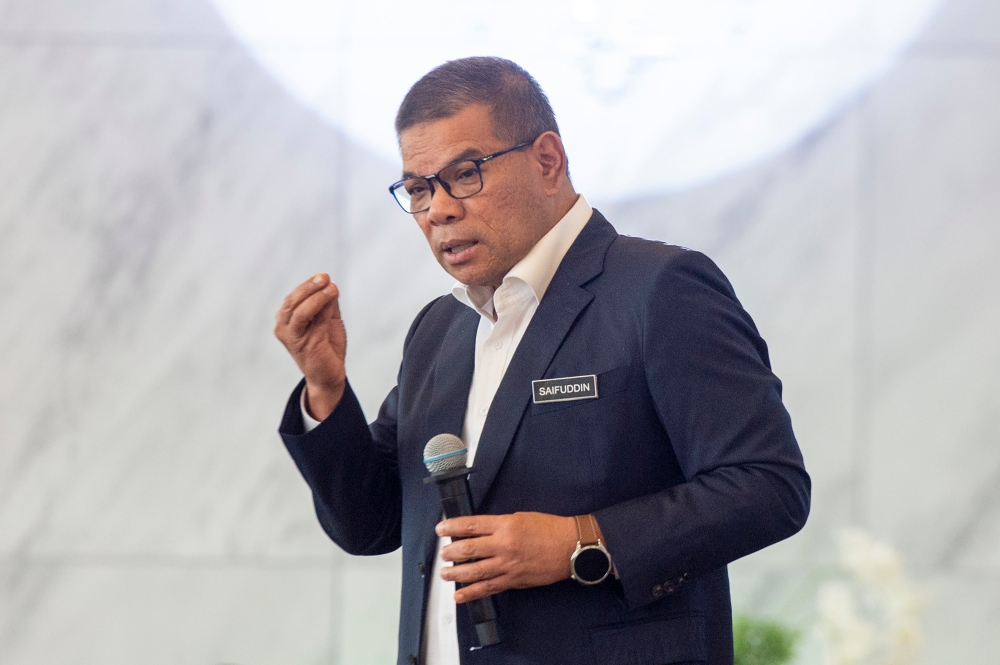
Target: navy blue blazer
{"type": "Point", "coordinates": [687, 456]}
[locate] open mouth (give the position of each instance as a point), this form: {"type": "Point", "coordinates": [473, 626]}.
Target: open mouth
{"type": "Point", "coordinates": [458, 246]}
{"type": "Point", "coordinates": [457, 251]}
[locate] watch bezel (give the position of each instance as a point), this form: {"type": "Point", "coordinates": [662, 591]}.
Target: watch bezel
{"type": "Point", "coordinates": [580, 548]}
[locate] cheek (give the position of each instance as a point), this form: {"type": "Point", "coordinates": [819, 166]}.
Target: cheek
{"type": "Point", "coordinates": [501, 216]}
{"type": "Point", "coordinates": [497, 238]}
{"type": "Point", "coordinates": [513, 227]}
{"type": "Point", "coordinates": [424, 226]}
{"type": "Point", "coordinates": [426, 229]}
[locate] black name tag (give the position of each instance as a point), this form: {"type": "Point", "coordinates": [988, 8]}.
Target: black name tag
{"type": "Point", "coordinates": [564, 390]}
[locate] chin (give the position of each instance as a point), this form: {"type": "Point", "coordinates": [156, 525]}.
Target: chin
{"type": "Point", "coordinates": [461, 273]}
{"type": "Point", "coordinates": [471, 276]}
{"type": "Point", "coordinates": [473, 273]}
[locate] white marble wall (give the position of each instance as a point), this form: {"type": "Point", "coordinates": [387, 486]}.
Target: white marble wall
{"type": "Point", "coordinates": [868, 256]}
{"type": "Point", "coordinates": [159, 195]}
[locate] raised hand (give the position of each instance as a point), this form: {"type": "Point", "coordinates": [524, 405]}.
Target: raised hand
{"type": "Point", "coordinates": [310, 327]}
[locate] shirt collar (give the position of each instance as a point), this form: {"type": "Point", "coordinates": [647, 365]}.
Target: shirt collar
{"type": "Point", "coordinates": [538, 267]}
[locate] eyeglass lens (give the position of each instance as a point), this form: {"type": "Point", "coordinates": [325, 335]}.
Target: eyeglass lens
{"type": "Point", "coordinates": [460, 180]}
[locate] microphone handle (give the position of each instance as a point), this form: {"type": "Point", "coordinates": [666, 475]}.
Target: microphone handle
{"type": "Point", "coordinates": [456, 501]}
{"type": "Point", "coordinates": [456, 496]}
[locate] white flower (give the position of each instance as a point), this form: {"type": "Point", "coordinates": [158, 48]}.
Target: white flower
{"type": "Point", "coordinates": [847, 637]}
{"type": "Point", "coordinates": [873, 617]}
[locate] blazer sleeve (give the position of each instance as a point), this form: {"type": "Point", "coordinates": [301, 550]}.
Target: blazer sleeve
{"type": "Point", "coordinates": [745, 486]}
{"type": "Point", "coordinates": [352, 468]}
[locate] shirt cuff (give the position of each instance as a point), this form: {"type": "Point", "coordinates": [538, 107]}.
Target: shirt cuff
{"type": "Point", "coordinates": [308, 421]}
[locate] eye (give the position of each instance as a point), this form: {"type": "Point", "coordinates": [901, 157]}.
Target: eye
{"type": "Point", "coordinates": [466, 174]}
{"type": "Point", "coordinates": [416, 187]}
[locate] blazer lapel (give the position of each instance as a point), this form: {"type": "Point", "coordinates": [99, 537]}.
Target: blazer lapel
{"type": "Point", "coordinates": [449, 395]}
{"type": "Point", "coordinates": [563, 302]}
{"type": "Point", "coordinates": [453, 376]}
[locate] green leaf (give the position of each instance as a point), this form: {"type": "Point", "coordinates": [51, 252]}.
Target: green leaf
{"type": "Point", "coordinates": [762, 642]}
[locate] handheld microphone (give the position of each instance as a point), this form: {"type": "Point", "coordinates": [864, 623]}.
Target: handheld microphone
{"type": "Point", "coordinates": [445, 456]}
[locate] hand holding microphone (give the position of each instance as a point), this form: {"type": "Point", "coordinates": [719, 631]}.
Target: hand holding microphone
{"type": "Point", "coordinates": [493, 553]}
{"type": "Point", "coordinates": [445, 456]}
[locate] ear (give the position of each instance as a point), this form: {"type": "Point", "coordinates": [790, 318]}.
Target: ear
{"type": "Point", "coordinates": [552, 159]}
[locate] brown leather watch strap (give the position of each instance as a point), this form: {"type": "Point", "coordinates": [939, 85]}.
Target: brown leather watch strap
{"type": "Point", "coordinates": [586, 530]}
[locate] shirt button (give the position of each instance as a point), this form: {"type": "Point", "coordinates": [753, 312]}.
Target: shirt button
{"type": "Point", "coordinates": [497, 344]}
{"type": "Point", "coordinates": [482, 410]}
{"type": "Point", "coordinates": [657, 591]}
{"type": "Point", "coordinates": [448, 618]}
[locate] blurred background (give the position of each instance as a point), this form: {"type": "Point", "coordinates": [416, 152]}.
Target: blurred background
{"type": "Point", "coordinates": [169, 169]}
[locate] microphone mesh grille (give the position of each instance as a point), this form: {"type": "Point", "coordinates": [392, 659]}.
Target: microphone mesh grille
{"type": "Point", "coordinates": [445, 452]}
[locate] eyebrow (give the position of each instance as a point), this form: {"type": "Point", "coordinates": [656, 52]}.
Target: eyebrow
{"type": "Point", "coordinates": [468, 153]}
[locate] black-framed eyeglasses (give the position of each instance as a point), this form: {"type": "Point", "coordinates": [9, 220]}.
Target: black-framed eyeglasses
{"type": "Point", "coordinates": [461, 180]}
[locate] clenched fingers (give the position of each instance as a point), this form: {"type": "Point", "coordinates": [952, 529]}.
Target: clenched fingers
{"type": "Point", "coordinates": [467, 573]}
{"type": "Point", "coordinates": [299, 294]}
{"type": "Point", "coordinates": [324, 302]}
{"type": "Point", "coordinates": [467, 527]}
{"type": "Point", "coordinates": [471, 548]}
{"type": "Point", "coordinates": [485, 588]}
{"type": "Point", "coordinates": [499, 552]}
{"type": "Point", "coordinates": [310, 299]}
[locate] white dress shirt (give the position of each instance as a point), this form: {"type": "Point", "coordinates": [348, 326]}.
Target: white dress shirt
{"type": "Point", "coordinates": [504, 316]}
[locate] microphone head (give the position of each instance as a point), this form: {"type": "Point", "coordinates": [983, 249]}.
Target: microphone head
{"type": "Point", "coordinates": [445, 452]}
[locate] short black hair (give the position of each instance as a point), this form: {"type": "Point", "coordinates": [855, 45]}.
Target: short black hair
{"type": "Point", "coordinates": [519, 109]}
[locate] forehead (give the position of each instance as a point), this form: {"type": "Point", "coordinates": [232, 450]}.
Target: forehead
{"type": "Point", "coordinates": [428, 146]}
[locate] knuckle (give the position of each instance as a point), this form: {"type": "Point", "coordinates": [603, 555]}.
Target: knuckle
{"type": "Point", "coordinates": [284, 333]}
{"type": "Point", "coordinates": [506, 542]}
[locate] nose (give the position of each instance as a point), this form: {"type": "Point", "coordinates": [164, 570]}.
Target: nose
{"type": "Point", "coordinates": [445, 208]}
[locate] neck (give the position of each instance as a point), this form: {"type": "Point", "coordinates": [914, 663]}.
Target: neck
{"type": "Point", "coordinates": [560, 205]}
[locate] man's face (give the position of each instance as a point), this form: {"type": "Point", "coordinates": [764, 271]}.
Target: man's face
{"type": "Point", "coordinates": [477, 240]}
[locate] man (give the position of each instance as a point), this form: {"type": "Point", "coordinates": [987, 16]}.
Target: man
{"type": "Point", "coordinates": [672, 457]}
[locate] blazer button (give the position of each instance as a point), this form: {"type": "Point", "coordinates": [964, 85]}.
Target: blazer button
{"type": "Point", "coordinates": [412, 659]}
{"type": "Point", "coordinates": [669, 588]}
{"type": "Point", "coordinates": [420, 567]}
{"type": "Point", "coordinates": [657, 591]}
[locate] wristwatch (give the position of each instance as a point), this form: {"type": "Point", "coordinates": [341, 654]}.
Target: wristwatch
{"type": "Point", "coordinates": [590, 562]}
